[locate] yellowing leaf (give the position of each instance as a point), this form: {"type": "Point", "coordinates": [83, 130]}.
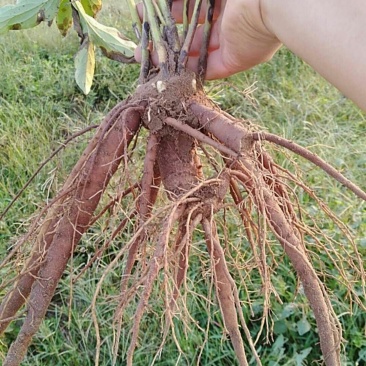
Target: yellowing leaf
{"type": "Point", "coordinates": [91, 7]}
{"type": "Point", "coordinates": [110, 40]}
{"type": "Point", "coordinates": [27, 14]}
{"type": "Point", "coordinates": [85, 66]}
{"type": "Point", "coordinates": [64, 17]}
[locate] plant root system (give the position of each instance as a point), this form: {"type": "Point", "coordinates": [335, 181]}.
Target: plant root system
{"type": "Point", "coordinates": [199, 163]}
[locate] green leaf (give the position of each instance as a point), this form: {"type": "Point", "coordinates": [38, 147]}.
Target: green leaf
{"type": "Point", "coordinates": [280, 327]}
{"type": "Point", "coordinates": [64, 17]}
{"type": "Point", "coordinates": [113, 44]}
{"type": "Point", "coordinates": [300, 357]}
{"type": "Point", "coordinates": [279, 344]}
{"type": "Point", "coordinates": [27, 14]}
{"type": "Point", "coordinates": [84, 66]}
{"type": "Point", "coordinates": [91, 7]}
{"type": "Point", "coordinates": [289, 310]}
{"type": "Point", "coordinates": [303, 326]}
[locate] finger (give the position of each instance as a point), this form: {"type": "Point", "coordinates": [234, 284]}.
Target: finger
{"type": "Point", "coordinates": [153, 56]}
{"type": "Point", "coordinates": [198, 36]}
{"type": "Point", "coordinates": [222, 63]}
{"type": "Point", "coordinates": [216, 67]}
{"type": "Point", "coordinates": [140, 10]}
{"type": "Point", "coordinates": [178, 10]}
{"type": "Point", "coordinates": [216, 64]}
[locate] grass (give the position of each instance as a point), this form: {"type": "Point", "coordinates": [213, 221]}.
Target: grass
{"type": "Point", "coordinates": [40, 106]}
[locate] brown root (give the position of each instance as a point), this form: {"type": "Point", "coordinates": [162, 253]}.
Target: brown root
{"type": "Point", "coordinates": [315, 159]}
{"type": "Point", "coordinates": [181, 248]}
{"type": "Point", "coordinates": [179, 263]}
{"type": "Point", "coordinates": [149, 191]}
{"type": "Point", "coordinates": [155, 265]}
{"type": "Point", "coordinates": [43, 164]}
{"type": "Point", "coordinates": [261, 194]}
{"type": "Point", "coordinates": [224, 291]}
{"type": "Point", "coordinates": [328, 326]}
{"type": "Point", "coordinates": [241, 139]}
{"type": "Point", "coordinates": [257, 174]}
{"type": "Point", "coordinates": [16, 298]}
{"type": "Point", "coordinates": [89, 182]}
{"type": "Point", "coordinates": [18, 295]}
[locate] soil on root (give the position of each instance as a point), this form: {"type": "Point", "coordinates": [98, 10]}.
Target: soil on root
{"type": "Point", "coordinates": [233, 173]}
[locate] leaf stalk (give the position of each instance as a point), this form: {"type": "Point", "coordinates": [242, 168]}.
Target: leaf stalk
{"type": "Point", "coordinates": [183, 56]}
{"type": "Point", "coordinates": [136, 22]}
{"type": "Point", "coordinates": [157, 36]}
{"type": "Point", "coordinates": [202, 61]}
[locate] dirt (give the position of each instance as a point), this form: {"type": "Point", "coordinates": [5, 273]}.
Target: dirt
{"type": "Point", "coordinates": [167, 99]}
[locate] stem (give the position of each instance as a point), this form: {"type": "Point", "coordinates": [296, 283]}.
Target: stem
{"type": "Point", "coordinates": [159, 14]}
{"type": "Point", "coordinates": [145, 52]}
{"type": "Point", "coordinates": [202, 61]}
{"type": "Point", "coordinates": [185, 18]}
{"type": "Point", "coordinates": [136, 22]}
{"type": "Point", "coordinates": [156, 36]}
{"type": "Point", "coordinates": [171, 30]}
{"type": "Point", "coordinates": [183, 56]}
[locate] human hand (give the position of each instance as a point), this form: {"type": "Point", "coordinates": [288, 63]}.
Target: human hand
{"type": "Point", "coordinates": [239, 38]}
